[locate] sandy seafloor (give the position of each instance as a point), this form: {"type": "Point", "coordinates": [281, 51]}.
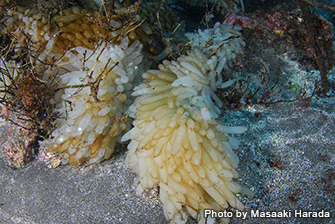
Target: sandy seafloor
{"type": "Point", "coordinates": [287, 156]}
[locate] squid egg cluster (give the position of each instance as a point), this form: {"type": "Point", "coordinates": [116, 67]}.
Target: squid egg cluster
{"type": "Point", "coordinates": [177, 141]}
{"type": "Point", "coordinates": [89, 128]}
{"type": "Point", "coordinates": [223, 41]}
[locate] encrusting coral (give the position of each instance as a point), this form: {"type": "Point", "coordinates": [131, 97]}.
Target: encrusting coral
{"type": "Point", "coordinates": [93, 99]}
{"type": "Point", "coordinates": [177, 141]}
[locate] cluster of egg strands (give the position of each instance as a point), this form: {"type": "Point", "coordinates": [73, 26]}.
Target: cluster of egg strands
{"type": "Point", "coordinates": [178, 143]}
{"type": "Point", "coordinates": [62, 30]}
{"type": "Point", "coordinates": [90, 129]}
{"type": "Point", "coordinates": [223, 42]}
{"type": "Point", "coordinates": [77, 28]}
{"type": "Point", "coordinates": [28, 26]}
{"type": "Point", "coordinates": [80, 27]}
